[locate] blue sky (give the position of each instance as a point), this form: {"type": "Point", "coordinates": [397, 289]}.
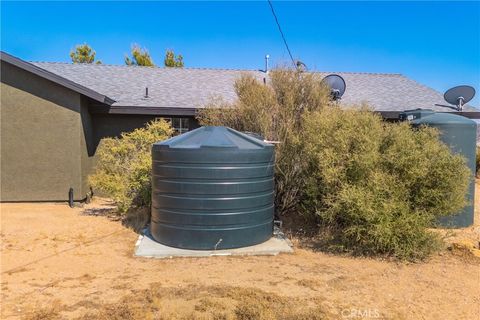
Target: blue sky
{"type": "Point", "coordinates": [435, 43]}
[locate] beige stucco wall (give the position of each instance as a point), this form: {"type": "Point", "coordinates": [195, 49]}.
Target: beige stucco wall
{"type": "Point", "coordinates": [43, 144]}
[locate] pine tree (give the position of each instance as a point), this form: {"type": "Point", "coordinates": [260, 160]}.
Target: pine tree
{"type": "Point", "coordinates": [83, 53]}
{"type": "Point", "coordinates": [140, 57]}
{"type": "Point", "coordinates": [173, 61]}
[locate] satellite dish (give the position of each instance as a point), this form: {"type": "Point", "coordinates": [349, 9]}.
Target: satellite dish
{"type": "Point", "coordinates": [300, 65]}
{"type": "Point", "coordinates": [336, 84]}
{"type": "Point", "coordinates": [459, 95]}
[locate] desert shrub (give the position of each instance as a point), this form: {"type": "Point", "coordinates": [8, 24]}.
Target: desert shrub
{"type": "Point", "coordinates": [275, 112]}
{"type": "Point", "coordinates": [379, 186]}
{"type": "Point", "coordinates": [123, 169]}
{"type": "Point", "coordinates": [376, 187]}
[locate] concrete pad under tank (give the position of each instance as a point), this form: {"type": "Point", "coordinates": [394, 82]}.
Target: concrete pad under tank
{"type": "Point", "coordinates": [149, 248]}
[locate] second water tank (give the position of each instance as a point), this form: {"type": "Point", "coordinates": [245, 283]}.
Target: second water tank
{"type": "Point", "coordinates": [460, 134]}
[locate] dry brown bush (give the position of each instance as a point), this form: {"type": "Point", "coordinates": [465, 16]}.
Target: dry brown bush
{"type": "Point", "coordinates": [274, 111]}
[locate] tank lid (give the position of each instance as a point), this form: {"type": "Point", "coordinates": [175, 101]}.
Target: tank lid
{"type": "Point", "coordinates": [214, 137]}
{"type": "Point", "coordinates": [445, 119]}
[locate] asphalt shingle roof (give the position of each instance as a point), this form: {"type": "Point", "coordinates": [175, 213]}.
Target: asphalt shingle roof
{"type": "Point", "coordinates": [193, 88]}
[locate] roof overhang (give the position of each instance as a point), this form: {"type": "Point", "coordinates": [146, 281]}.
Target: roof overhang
{"type": "Point", "coordinates": [191, 112]}
{"type": "Point", "coordinates": [143, 110]}
{"type": "Point", "coordinates": [55, 78]}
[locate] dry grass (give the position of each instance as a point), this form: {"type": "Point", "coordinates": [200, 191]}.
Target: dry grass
{"type": "Point", "coordinates": [101, 279]}
{"type": "Point", "coordinates": [49, 312]}
{"type": "Point", "coordinates": [207, 303]}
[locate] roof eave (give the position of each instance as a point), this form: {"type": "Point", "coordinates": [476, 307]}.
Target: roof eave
{"type": "Point", "coordinates": [190, 112]}
{"type": "Point", "coordinates": [143, 110]}
{"type": "Point", "coordinates": [55, 78]}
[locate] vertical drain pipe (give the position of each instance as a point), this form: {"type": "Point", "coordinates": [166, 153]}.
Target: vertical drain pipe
{"type": "Point", "coordinates": [267, 57]}
{"type": "Point", "coordinates": [70, 197]}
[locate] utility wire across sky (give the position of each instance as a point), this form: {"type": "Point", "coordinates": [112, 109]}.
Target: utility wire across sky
{"type": "Point", "coordinates": [281, 33]}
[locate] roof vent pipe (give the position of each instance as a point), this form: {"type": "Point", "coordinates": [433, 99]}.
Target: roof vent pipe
{"type": "Point", "coordinates": [267, 57]}
{"type": "Point", "coordinates": [146, 92]}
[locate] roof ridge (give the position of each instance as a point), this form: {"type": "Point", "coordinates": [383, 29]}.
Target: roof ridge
{"type": "Point", "coordinates": [363, 72]}
{"type": "Point", "coordinates": [151, 67]}
{"type": "Point", "coordinates": [207, 68]}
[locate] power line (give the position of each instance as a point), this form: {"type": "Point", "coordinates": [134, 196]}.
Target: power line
{"type": "Point", "coordinates": [281, 33]}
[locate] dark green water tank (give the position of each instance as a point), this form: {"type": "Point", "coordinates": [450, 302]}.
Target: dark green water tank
{"type": "Point", "coordinates": [212, 188]}
{"type": "Point", "coordinates": [460, 134]}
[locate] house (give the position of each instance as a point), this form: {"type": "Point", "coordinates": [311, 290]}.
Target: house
{"type": "Point", "coordinates": [53, 115]}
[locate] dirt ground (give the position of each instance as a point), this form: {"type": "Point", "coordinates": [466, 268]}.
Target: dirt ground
{"type": "Point", "coordinates": [58, 262]}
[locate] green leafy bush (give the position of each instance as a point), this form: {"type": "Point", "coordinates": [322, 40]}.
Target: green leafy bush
{"type": "Point", "coordinates": [379, 186]}
{"type": "Point", "coordinates": [123, 169]}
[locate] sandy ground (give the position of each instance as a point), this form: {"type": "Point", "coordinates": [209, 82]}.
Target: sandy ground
{"type": "Point", "coordinates": [52, 255]}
